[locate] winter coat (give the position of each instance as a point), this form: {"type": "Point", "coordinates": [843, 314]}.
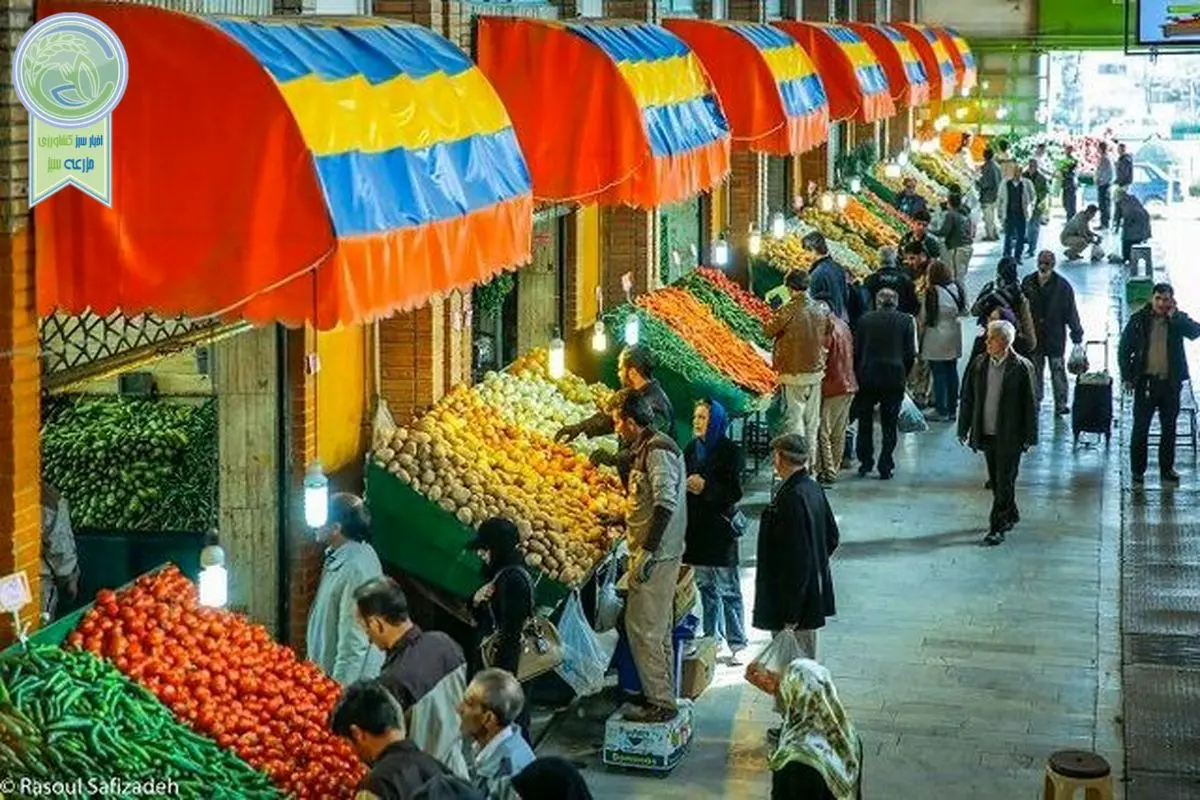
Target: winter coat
{"type": "Point", "coordinates": [801, 330]}
{"type": "Point", "coordinates": [1008, 296]}
{"type": "Point", "coordinates": [1135, 221]}
{"type": "Point", "coordinates": [1135, 344]}
{"type": "Point", "coordinates": [1017, 423]}
{"type": "Point", "coordinates": [955, 230]}
{"type": "Point", "coordinates": [601, 423]}
{"type": "Point", "coordinates": [839, 363]}
{"type": "Point", "coordinates": [898, 280]}
{"type": "Point", "coordinates": [1104, 171]}
{"type": "Point", "coordinates": [1028, 197]}
{"type": "Point", "coordinates": [910, 204]}
{"type": "Point", "coordinates": [885, 348]}
{"type": "Point", "coordinates": [989, 182]}
{"type": "Point", "coordinates": [1053, 309]}
{"type": "Point", "coordinates": [497, 762]}
{"type": "Point", "coordinates": [942, 340]}
{"type": "Point", "coordinates": [400, 771]}
{"type": "Point", "coordinates": [336, 643]}
{"type": "Point", "coordinates": [933, 248]}
{"type": "Point", "coordinates": [828, 277]}
{"type": "Point", "coordinates": [1124, 170]}
{"type": "Point", "coordinates": [506, 612]}
{"type": "Point", "coordinates": [711, 539]}
{"type": "Point", "coordinates": [1041, 191]}
{"type": "Point", "coordinates": [796, 537]}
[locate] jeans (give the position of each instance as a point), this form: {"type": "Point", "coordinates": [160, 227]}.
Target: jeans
{"type": "Point", "coordinates": [1069, 200]}
{"type": "Point", "coordinates": [1117, 193]}
{"type": "Point", "coordinates": [889, 402]}
{"type": "Point", "coordinates": [721, 597]}
{"type": "Point", "coordinates": [960, 260]}
{"type": "Point", "coordinates": [1033, 232]}
{"type": "Point", "coordinates": [1058, 379]}
{"type": "Point", "coordinates": [1104, 201]}
{"type": "Point", "coordinates": [1003, 464]}
{"type": "Point", "coordinates": [945, 387]}
{"type": "Point", "coordinates": [1151, 395]}
{"type": "Point", "coordinates": [1014, 237]}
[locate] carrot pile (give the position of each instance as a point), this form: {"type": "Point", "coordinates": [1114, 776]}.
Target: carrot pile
{"type": "Point", "coordinates": [716, 343]}
{"type": "Point", "coordinates": [744, 299]}
{"type": "Point", "coordinates": [878, 233]}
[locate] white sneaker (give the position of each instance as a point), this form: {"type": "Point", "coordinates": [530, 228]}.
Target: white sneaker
{"type": "Point", "coordinates": [735, 656]}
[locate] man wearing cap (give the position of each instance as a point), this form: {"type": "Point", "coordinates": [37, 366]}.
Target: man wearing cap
{"type": "Point", "coordinates": [801, 330]}
{"type": "Point", "coordinates": [885, 348]}
{"type": "Point", "coordinates": [827, 277]}
{"type": "Point", "coordinates": [657, 532]}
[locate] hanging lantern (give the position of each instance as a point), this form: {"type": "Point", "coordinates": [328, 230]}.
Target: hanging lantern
{"type": "Point", "coordinates": [856, 184]}
{"type": "Point", "coordinates": [754, 240]}
{"type": "Point", "coordinates": [778, 225]}
{"type": "Point", "coordinates": [720, 251]}
{"type": "Point", "coordinates": [985, 85]}
{"type": "Point", "coordinates": [961, 112]}
{"type": "Point", "coordinates": [1001, 112]}
{"type": "Point", "coordinates": [632, 330]}
{"type": "Point", "coordinates": [892, 171]}
{"type": "Point", "coordinates": [557, 358]}
{"type": "Point", "coordinates": [599, 337]}
{"type": "Point", "coordinates": [213, 582]}
{"type": "Point", "coordinates": [316, 496]}
{"type": "Point", "coordinates": [902, 159]}
{"type": "Point", "coordinates": [826, 202]}
{"type": "Point", "coordinates": [842, 200]}
{"type": "Point", "coordinates": [965, 92]}
{"type": "Point", "coordinates": [940, 123]}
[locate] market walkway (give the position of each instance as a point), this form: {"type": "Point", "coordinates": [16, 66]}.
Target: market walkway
{"type": "Point", "coordinates": [963, 667]}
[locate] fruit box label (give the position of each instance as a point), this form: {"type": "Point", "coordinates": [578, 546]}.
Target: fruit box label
{"type": "Point", "coordinates": [14, 592]}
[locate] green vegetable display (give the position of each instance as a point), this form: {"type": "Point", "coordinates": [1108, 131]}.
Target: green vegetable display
{"type": "Point", "coordinates": [66, 715]}
{"type": "Point", "coordinates": [726, 309]}
{"type": "Point", "coordinates": [134, 464]}
{"type": "Point", "coordinates": [884, 212]}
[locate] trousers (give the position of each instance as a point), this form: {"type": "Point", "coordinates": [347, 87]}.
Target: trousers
{"type": "Point", "coordinates": [1104, 201]}
{"type": "Point", "coordinates": [835, 416]}
{"type": "Point", "coordinates": [989, 221]}
{"type": "Point", "coordinates": [1058, 378]}
{"type": "Point", "coordinates": [945, 387]}
{"type": "Point", "coordinates": [960, 260]}
{"type": "Point", "coordinates": [889, 402]}
{"type": "Point", "coordinates": [1015, 229]}
{"type": "Point", "coordinates": [802, 406]}
{"type": "Point", "coordinates": [1154, 395]}
{"type": "Point", "coordinates": [720, 591]}
{"type": "Point", "coordinates": [1003, 464]}
{"type": "Point", "coordinates": [649, 608]}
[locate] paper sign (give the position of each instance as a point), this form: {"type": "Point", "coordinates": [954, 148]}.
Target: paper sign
{"type": "Point", "coordinates": [627, 282]}
{"type": "Point", "coordinates": [14, 592]}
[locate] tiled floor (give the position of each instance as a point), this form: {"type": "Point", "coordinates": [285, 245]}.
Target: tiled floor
{"type": "Point", "coordinates": [963, 667]}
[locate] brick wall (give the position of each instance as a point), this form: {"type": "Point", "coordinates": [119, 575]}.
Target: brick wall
{"type": "Point", "coordinates": [747, 203]}
{"type": "Point", "coordinates": [628, 238]}
{"type": "Point", "coordinates": [413, 359]}
{"type": "Point", "coordinates": [747, 10]}
{"type": "Point", "coordinates": [303, 554]}
{"type": "Point", "coordinates": [20, 365]}
{"type": "Point", "coordinates": [632, 9]}
{"type": "Point", "coordinates": [816, 10]}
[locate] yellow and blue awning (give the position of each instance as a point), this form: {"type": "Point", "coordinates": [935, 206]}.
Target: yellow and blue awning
{"type": "Point", "coordinates": [939, 66]}
{"type": "Point", "coordinates": [905, 73]}
{"type": "Point", "coordinates": [608, 112]}
{"type": "Point", "coordinates": [961, 55]}
{"type": "Point", "coordinates": [853, 77]}
{"type": "Point", "coordinates": [768, 86]}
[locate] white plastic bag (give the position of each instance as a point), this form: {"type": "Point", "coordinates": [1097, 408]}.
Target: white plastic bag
{"type": "Point", "coordinates": [911, 419]}
{"type": "Point", "coordinates": [765, 671]}
{"type": "Point", "coordinates": [1077, 363]}
{"type": "Point", "coordinates": [1097, 253]}
{"type": "Point", "coordinates": [608, 601]}
{"type": "Point", "coordinates": [586, 654]}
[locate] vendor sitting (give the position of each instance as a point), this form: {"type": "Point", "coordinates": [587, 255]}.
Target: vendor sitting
{"type": "Point", "coordinates": [635, 370]}
{"type": "Point", "coordinates": [657, 532]}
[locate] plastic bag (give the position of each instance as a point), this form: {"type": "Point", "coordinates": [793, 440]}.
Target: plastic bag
{"type": "Point", "coordinates": [1077, 363]}
{"type": "Point", "coordinates": [1097, 253]}
{"type": "Point", "coordinates": [586, 654]}
{"type": "Point", "coordinates": [608, 601]}
{"type": "Point", "coordinates": [384, 428]}
{"type": "Point", "coordinates": [765, 671]}
{"type": "Point", "coordinates": [911, 419]}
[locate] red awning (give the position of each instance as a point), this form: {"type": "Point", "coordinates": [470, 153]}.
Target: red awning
{"type": "Point", "coordinates": [607, 111]}
{"type": "Point", "coordinates": [939, 67]}
{"type": "Point", "coordinates": [906, 76]}
{"type": "Point", "coordinates": [768, 87]}
{"type": "Point", "coordinates": [291, 169]}
{"type": "Point", "coordinates": [961, 55]}
{"type": "Point", "coordinates": [853, 77]}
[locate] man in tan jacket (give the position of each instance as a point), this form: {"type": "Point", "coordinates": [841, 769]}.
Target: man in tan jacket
{"type": "Point", "coordinates": [801, 330]}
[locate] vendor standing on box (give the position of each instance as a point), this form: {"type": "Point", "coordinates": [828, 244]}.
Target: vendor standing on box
{"type": "Point", "coordinates": [657, 532]}
{"type": "Point", "coordinates": [635, 369]}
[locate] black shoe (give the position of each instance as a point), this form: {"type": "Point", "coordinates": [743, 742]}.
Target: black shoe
{"type": "Point", "coordinates": [864, 470]}
{"type": "Point", "coordinates": [1138, 480]}
{"type": "Point", "coordinates": [992, 539]}
{"type": "Point", "coordinates": [651, 714]}
{"type": "Point", "coordinates": [885, 474]}
{"type": "Point", "coordinates": [1062, 411]}
{"type": "Point", "coordinates": [1171, 477]}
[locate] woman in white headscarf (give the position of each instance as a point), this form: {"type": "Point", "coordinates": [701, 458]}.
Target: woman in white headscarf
{"type": "Point", "coordinates": [819, 755]}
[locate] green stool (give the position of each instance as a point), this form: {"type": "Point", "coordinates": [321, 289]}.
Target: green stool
{"type": "Point", "coordinates": [1138, 291]}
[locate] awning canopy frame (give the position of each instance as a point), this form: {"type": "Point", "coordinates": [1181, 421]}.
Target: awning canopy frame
{"type": "Point", "coordinates": [961, 55]}
{"type": "Point", "coordinates": [854, 80]}
{"type": "Point", "coordinates": [939, 67]}
{"type": "Point", "coordinates": [906, 75]}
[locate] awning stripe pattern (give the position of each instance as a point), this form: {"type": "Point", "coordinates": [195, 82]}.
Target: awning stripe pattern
{"type": "Point", "coordinates": [851, 73]}
{"type": "Point", "coordinates": [942, 55]}
{"type": "Point", "coordinates": [799, 85]}
{"type": "Point", "coordinates": [866, 65]}
{"type": "Point", "coordinates": [970, 71]}
{"type": "Point", "coordinates": [914, 70]}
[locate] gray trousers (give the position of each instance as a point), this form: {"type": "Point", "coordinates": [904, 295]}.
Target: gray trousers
{"type": "Point", "coordinates": [1058, 378]}
{"type": "Point", "coordinates": [649, 612]}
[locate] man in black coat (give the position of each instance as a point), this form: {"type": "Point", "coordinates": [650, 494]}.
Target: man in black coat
{"type": "Point", "coordinates": [796, 538]}
{"type": "Point", "coordinates": [892, 275]}
{"type": "Point", "coordinates": [885, 348]}
{"type": "Point", "coordinates": [1052, 304]}
{"type": "Point", "coordinates": [998, 416]}
{"type": "Point", "coordinates": [1154, 366]}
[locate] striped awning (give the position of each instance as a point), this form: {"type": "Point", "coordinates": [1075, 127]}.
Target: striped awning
{"type": "Point", "coordinates": [961, 55]}
{"type": "Point", "coordinates": [607, 111]}
{"type": "Point", "coordinates": [939, 67]}
{"type": "Point", "coordinates": [768, 86]}
{"type": "Point", "coordinates": [905, 73]}
{"type": "Point", "coordinates": [853, 77]}
{"type": "Point", "coordinates": [336, 171]}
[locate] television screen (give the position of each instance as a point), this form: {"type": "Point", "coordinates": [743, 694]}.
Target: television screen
{"type": "Point", "coordinates": [1168, 22]}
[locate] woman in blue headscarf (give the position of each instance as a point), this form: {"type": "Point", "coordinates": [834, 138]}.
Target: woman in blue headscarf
{"type": "Point", "coordinates": [714, 485]}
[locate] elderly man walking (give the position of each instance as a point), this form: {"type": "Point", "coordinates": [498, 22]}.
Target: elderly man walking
{"type": "Point", "coordinates": [801, 330]}
{"type": "Point", "coordinates": [885, 347]}
{"type": "Point", "coordinates": [998, 416]}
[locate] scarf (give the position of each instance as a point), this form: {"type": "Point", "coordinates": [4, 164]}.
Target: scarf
{"type": "Point", "coordinates": [815, 729]}
{"type": "Point", "coordinates": [718, 423]}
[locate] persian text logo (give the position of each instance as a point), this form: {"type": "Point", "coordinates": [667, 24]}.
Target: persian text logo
{"type": "Point", "coordinates": [70, 72]}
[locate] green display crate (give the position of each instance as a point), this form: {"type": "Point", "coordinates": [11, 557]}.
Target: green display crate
{"type": "Point", "coordinates": [1138, 291]}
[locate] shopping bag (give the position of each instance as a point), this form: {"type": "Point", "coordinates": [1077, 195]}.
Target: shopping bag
{"type": "Point", "coordinates": [608, 601]}
{"type": "Point", "coordinates": [765, 671]}
{"type": "Point", "coordinates": [586, 654]}
{"type": "Point", "coordinates": [1097, 253]}
{"type": "Point", "coordinates": [1077, 363]}
{"type": "Point", "coordinates": [911, 419]}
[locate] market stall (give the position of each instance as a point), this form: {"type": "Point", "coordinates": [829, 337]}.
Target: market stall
{"type": "Point", "coordinates": [939, 67]}
{"type": "Point", "coordinates": [853, 77]}
{"type": "Point", "coordinates": [906, 76]}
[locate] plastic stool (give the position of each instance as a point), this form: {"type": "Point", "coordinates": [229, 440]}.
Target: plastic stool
{"type": "Point", "coordinates": [1069, 771]}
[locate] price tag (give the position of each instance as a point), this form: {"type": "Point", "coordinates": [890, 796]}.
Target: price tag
{"type": "Point", "coordinates": [627, 282]}
{"type": "Point", "coordinates": [312, 364]}
{"type": "Point", "coordinates": [14, 592]}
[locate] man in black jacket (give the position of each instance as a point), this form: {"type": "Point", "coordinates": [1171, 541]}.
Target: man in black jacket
{"type": "Point", "coordinates": [891, 275]}
{"type": "Point", "coordinates": [1052, 304]}
{"type": "Point", "coordinates": [920, 234]}
{"type": "Point", "coordinates": [1154, 367]}
{"type": "Point", "coordinates": [885, 348]}
{"type": "Point", "coordinates": [998, 416]}
{"type": "Point", "coordinates": [1123, 181]}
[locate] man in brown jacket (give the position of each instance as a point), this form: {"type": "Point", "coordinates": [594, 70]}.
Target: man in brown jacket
{"type": "Point", "coordinates": [801, 330]}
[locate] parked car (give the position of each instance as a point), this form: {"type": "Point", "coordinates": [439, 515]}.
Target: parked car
{"type": "Point", "coordinates": [1150, 185]}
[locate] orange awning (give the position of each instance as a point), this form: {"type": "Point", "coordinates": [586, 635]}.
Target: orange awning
{"type": "Point", "coordinates": [291, 169]}
{"type": "Point", "coordinates": [939, 67]}
{"type": "Point", "coordinates": [607, 111]}
{"type": "Point", "coordinates": [961, 55]}
{"type": "Point", "coordinates": [853, 77]}
{"type": "Point", "coordinates": [905, 73]}
{"type": "Point", "coordinates": [769, 88]}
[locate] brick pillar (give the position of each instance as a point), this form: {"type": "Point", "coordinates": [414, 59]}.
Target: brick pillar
{"type": "Point", "coordinates": [428, 13]}
{"type": "Point", "coordinates": [747, 200]}
{"type": "Point", "coordinates": [454, 324]}
{"type": "Point", "coordinates": [412, 357]}
{"type": "Point", "coordinates": [903, 10]}
{"type": "Point", "coordinates": [816, 10]}
{"type": "Point", "coordinates": [20, 365]}
{"type": "Point", "coordinates": [866, 11]}
{"type": "Point", "coordinates": [646, 10]}
{"type": "Point", "coordinates": [303, 554]}
{"type": "Point", "coordinates": [747, 10]}
{"type": "Point", "coordinates": [629, 244]}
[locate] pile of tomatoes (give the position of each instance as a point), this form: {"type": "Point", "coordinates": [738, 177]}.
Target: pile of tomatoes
{"type": "Point", "coordinates": [227, 679]}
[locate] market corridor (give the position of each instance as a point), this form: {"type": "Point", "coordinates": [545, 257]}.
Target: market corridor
{"type": "Point", "coordinates": [962, 667]}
